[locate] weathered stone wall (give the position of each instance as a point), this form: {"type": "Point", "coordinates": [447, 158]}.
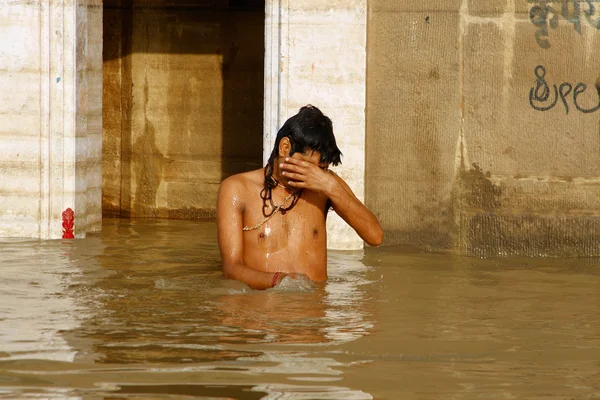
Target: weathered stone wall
{"type": "Point", "coordinates": [482, 125]}
{"type": "Point", "coordinates": [183, 101]}
{"type": "Point", "coordinates": [50, 120]}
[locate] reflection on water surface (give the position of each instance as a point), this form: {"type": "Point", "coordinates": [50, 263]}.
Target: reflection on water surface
{"type": "Point", "coordinates": [142, 311]}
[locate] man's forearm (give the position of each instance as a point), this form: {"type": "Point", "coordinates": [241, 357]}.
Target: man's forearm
{"type": "Point", "coordinates": [354, 212]}
{"type": "Point", "coordinates": [253, 278]}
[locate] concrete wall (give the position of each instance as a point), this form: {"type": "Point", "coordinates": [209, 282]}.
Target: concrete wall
{"type": "Point", "coordinates": [316, 54]}
{"type": "Point", "coordinates": [183, 101]}
{"type": "Point", "coordinates": [50, 119]}
{"type": "Point", "coordinates": [461, 154]}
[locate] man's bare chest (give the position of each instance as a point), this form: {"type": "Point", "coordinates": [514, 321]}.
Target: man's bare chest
{"type": "Point", "coordinates": [301, 225]}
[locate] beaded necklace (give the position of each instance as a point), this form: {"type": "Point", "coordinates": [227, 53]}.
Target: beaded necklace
{"type": "Point", "coordinates": [268, 195]}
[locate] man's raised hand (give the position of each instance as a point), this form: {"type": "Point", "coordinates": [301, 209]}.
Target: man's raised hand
{"type": "Point", "coordinates": [304, 173]}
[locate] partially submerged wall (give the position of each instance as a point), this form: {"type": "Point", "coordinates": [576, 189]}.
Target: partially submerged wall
{"type": "Point", "coordinates": [50, 117]}
{"type": "Point", "coordinates": [183, 101]}
{"type": "Point", "coordinates": [482, 125]}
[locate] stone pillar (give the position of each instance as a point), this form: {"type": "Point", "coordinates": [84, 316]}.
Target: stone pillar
{"type": "Point", "coordinates": [315, 53]}
{"type": "Point", "coordinates": [50, 117]}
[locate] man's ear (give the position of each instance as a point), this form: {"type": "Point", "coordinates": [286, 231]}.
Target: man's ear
{"type": "Point", "coordinates": [285, 147]}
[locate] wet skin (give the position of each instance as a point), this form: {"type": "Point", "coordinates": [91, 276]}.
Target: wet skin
{"type": "Point", "coordinates": [292, 243]}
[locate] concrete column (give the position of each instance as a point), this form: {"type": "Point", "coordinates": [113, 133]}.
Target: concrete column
{"type": "Point", "coordinates": [315, 53]}
{"type": "Point", "coordinates": [50, 116]}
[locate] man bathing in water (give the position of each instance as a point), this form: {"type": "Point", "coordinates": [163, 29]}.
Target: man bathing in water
{"type": "Point", "coordinates": [271, 221]}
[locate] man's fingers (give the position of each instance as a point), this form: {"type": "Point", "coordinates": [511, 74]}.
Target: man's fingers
{"type": "Point", "coordinates": [299, 160]}
{"type": "Point", "coordinates": [297, 184]}
{"type": "Point", "coordinates": [291, 167]}
{"type": "Point", "coordinates": [292, 160]}
{"type": "Point", "coordinates": [288, 166]}
{"type": "Point", "coordinates": [295, 163]}
{"type": "Point", "coordinates": [292, 176]}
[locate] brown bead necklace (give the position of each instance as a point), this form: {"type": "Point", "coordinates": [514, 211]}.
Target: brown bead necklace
{"type": "Point", "coordinates": [268, 195]}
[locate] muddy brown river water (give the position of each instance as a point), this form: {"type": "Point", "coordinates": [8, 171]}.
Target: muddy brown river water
{"type": "Point", "coordinates": [141, 311]}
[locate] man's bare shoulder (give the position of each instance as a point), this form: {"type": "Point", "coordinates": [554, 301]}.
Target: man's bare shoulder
{"type": "Point", "coordinates": [245, 180]}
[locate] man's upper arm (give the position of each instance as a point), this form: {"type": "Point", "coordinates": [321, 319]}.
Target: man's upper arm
{"type": "Point", "coordinates": [345, 186]}
{"type": "Point", "coordinates": [358, 216]}
{"type": "Point", "coordinates": [229, 222]}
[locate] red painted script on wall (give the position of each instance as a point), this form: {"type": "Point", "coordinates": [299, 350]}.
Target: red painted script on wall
{"type": "Point", "coordinates": [68, 217]}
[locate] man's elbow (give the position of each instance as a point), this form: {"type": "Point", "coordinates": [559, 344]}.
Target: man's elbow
{"type": "Point", "coordinates": [376, 238]}
{"type": "Point", "coordinates": [228, 271]}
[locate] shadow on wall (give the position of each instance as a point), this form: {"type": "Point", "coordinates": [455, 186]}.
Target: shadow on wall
{"type": "Point", "coordinates": [182, 103]}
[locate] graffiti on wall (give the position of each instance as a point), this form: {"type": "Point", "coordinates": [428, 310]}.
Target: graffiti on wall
{"type": "Point", "coordinates": [545, 14]}
{"type": "Point", "coordinates": [542, 97]}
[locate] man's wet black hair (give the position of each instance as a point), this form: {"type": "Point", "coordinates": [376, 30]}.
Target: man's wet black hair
{"type": "Point", "coordinates": [310, 129]}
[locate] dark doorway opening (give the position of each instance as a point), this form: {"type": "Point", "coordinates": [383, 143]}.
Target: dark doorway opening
{"type": "Point", "coordinates": [183, 88]}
